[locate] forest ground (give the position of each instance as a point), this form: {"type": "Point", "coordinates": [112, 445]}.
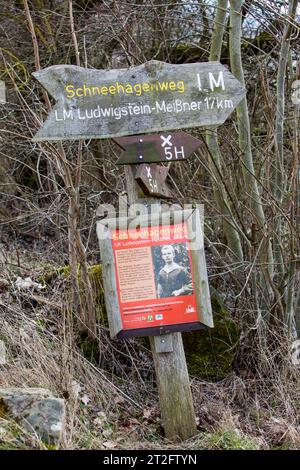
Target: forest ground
{"type": "Point", "coordinates": [109, 386]}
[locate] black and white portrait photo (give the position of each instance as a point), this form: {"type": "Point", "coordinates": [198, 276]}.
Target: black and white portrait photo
{"type": "Point", "coordinates": [172, 270]}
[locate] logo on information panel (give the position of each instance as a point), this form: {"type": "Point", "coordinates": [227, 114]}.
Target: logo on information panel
{"type": "Point", "coordinates": [189, 309]}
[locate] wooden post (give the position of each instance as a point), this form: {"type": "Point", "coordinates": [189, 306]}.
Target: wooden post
{"type": "Point", "coordinates": [176, 404]}
{"type": "Point", "coordinates": [211, 93]}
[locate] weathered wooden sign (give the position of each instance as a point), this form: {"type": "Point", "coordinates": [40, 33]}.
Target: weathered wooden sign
{"type": "Point", "coordinates": [154, 274]}
{"type": "Point", "coordinates": [152, 180]}
{"type": "Point", "coordinates": [152, 97]}
{"type": "Point", "coordinates": [157, 147]}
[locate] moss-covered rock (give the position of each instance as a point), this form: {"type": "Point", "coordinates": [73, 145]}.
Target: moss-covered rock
{"type": "Point", "coordinates": [35, 409]}
{"type": "Point", "coordinates": [210, 352]}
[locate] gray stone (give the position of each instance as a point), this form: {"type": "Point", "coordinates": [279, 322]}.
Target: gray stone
{"type": "Point", "coordinates": [36, 409]}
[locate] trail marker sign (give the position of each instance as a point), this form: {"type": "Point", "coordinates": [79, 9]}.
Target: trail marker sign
{"type": "Point", "coordinates": [152, 179]}
{"type": "Point", "coordinates": [163, 147]}
{"type": "Point", "coordinates": [152, 97]}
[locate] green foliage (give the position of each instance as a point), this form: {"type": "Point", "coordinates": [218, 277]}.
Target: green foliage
{"type": "Point", "coordinates": [284, 446]}
{"type": "Point", "coordinates": [229, 440]}
{"type": "Point", "coordinates": [14, 437]}
{"type": "Point", "coordinates": [95, 276]}
{"type": "Point", "coordinates": [49, 446]}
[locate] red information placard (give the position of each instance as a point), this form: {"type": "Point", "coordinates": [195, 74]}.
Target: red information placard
{"type": "Point", "coordinates": [154, 276]}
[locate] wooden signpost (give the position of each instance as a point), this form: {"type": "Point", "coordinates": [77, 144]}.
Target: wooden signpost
{"type": "Point", "coordinates": [157, 147]}
{"type": "Point", "coordinates": [155, 96]}
{"type": "Point", "coordinates": [152, 180]}
{"type": "Point", "coordinates": [140, 257]}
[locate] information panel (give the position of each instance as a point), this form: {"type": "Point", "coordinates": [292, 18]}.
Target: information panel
{"type": "Point", "coordinates": [154, 275]}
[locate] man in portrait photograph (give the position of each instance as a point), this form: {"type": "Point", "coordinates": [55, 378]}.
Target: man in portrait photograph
{"type": "Point", "coordinates": [173, 280]}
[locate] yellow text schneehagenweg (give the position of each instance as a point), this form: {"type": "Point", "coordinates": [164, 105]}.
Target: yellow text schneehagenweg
{"type": "Point", "coordinates": [124, 88]}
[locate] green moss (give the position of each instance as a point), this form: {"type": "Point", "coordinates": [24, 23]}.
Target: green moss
{"type": "Point", "coordinates": [14, 437]}
{"type": "Point", "coordinates": [4, 446]}
{"type": "Point", "coordinates": [50, 446]}
{"type": "Point", "coordinates": [48, 272]}
{"type": "Point", "coordinates": [229, 440]}
{"type": "Point", "coordinates": [283, 447]}
{"type": "Point", "coordinates": [210, 352]}
{"type": "Point", "coordinates": [95, 276]}
{"type": "Point", "coordinates": [64, 270]}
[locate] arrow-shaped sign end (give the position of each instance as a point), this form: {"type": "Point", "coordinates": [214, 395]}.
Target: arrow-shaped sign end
{"type": "Point", "coordinates": [38, 137]}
